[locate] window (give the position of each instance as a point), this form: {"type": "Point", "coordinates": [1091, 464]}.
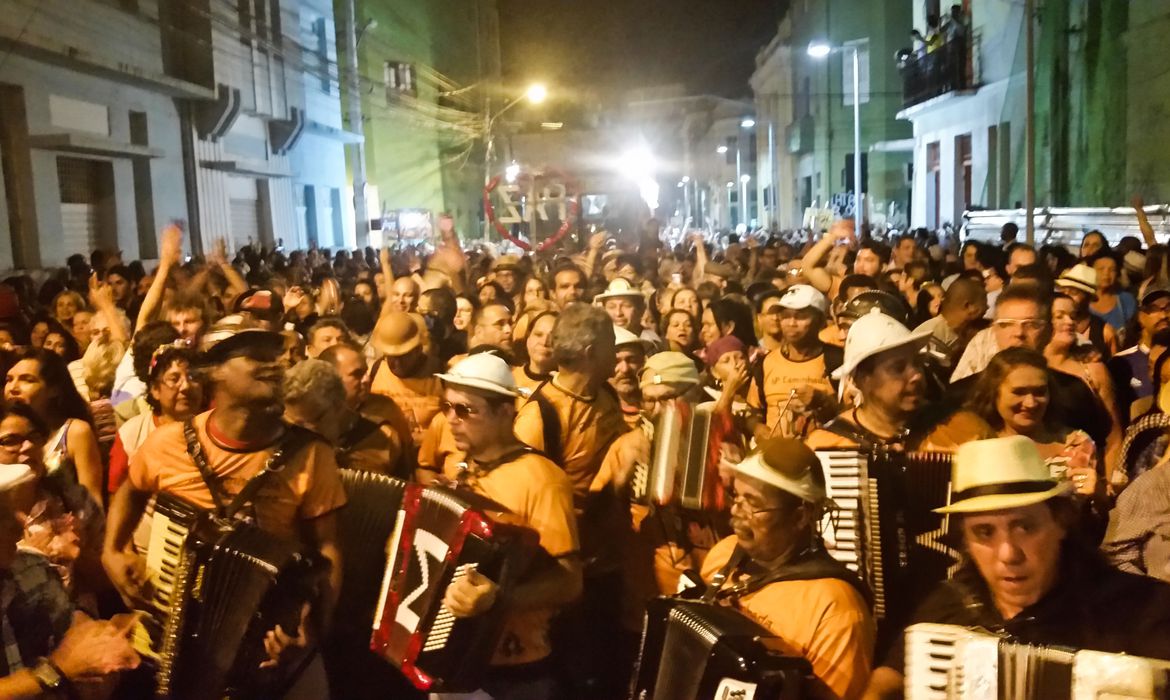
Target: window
{"type": "Point", "coordinates": [275, 34]}
{"type": "Point", "coordinates": [862, 48]}
{"type": "Point", "coordinates": [800, 106]}
{"type": "Point", "coordinates": [244, 16]}
{"type": "Point", "coordinates": [399, 79]}
{"type": "Point", "coordinates": [732, 145]}
{"type": "Point", "coordinates": [321, 51]}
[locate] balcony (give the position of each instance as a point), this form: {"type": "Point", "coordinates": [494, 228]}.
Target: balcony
{"type": "Point", "coordinates": [952, 67]}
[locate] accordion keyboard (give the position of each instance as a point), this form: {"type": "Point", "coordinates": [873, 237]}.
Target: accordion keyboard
{"type": "Point", "coordinates": [170, 523]}
{"type": "Point", "coordinates": [843, 529]}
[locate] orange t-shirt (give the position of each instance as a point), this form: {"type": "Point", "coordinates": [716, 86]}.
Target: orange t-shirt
{"type": "Point", "coordinates": [824, 620]}
{"type": "Point", "coordinates": [539, 496]}
{"type": "Point", "coordinates": [438, 452]}
{"type": "Point", "coordinates": [417, 397]}
{"type": "Point", "coordinates": [781, 376]}
{"type": "Point", "coordinates": [308, 487]}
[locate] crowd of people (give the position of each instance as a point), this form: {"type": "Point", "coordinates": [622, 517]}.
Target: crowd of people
{"type": "Point", "coordinates": [536, 379]}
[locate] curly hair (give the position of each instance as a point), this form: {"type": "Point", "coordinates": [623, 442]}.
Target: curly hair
{"type": "Point", "coordinates": [314, 387]}
{"type": "Point", "coordinates": [578, 328]}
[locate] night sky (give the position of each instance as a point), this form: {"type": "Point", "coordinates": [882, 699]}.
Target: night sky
{"type": "Point", "coordinates": [709, 45]}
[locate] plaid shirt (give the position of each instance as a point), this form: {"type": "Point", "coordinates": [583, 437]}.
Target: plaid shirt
{"type": "Point", "coordinates": [36, 611]}
{"type": "Point", "coordinates": [1138, 537]}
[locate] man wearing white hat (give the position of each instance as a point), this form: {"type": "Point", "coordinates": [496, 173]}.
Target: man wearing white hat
{"type": "Point", "coordinates": [479, 402]}
{"type": "Point", "coordinates": [775, 571]}
{"type": "Point", "coordinates": [792, 385]}
{"type": "Point", "coordinates": [883, 362]}
{"type": "Point", "coordinates": [1027, 571]}
{"type": "Point", "coordinates": [625, 304]}
{"type": "Point", "coordinates": [1079, 283]}
{"type": "Point", "coordinates": [630, 351]}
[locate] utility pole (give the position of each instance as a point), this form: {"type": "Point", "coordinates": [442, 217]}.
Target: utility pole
{"type": "Point", "coordinates": [354, 114]}
{"type": "Point", "coordinates": [1030, 123]}
{"type": "Point", "coordinates": [859, 218]}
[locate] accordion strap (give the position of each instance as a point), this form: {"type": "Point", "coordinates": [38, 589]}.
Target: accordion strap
{"type": "Point", "coordinates": [293, 440]}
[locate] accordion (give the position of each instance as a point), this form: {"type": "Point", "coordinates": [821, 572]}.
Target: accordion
{"type": "Point", "coordinates": [439, 535]}
{"type": "Point", "coordinates": [886, 530]}
{"type": "Point", "coordinates": [945, 662]}
{"type": "Point", "coordinates": [684, 464]}
{"type": "Point", "coordinates": [702, 651]}
{"type": "Point", "coordinates": [217, 588]}
{"type": "Point", "coordinates": [364, 527]}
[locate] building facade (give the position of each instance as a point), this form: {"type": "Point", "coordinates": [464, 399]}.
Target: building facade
{"type": "Point", "coordinates": [805, 107]}
{"type": "Point", "coordinates": [120, 116]}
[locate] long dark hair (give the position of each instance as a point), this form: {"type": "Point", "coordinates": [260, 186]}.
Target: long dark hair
{"type": "Point", "coordinates": [727, 311]}
{"type": "Point", "coordinates": [665, 323]}
{"type": "Point", "coordinates": [55, 376]}
{"type": "Point", "coordinates": [984, 395]}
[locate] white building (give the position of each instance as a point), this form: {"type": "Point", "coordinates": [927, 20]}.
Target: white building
{"type": "Point", "coordinates": [967, 130]}
{"type": "Point", "coordinates": [773, 88]}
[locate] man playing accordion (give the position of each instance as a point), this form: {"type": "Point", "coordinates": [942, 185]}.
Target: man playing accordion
{"type": "Point", "coordinates": [774, 570]}
{"type": "Point", "coordinates": [1028, 573]}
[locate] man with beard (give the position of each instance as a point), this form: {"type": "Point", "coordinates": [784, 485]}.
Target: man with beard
{"type": "Point", "coordinates": [631, 357]}
{"type": "Point", "coordinates": [883, 363]}
{"type": "Point", "coordinates": [237, 439]}
{"type": "Point", "coordinates": [367, 440]}
{"type": "Point", "coordinates": [791, 388]}
{"type": "Point", "coordinates": [568, 286]}
{"type": "Point", "coordinates": [479, 402]}
{"type": "Point", "coordinates": [1131, 368]}
{"type": "Point", "coordinates": [491, 325]}
{"type": "Point", "coordinates": [775, 572]}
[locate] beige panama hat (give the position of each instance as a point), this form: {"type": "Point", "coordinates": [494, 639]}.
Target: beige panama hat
{"type": "Point", "coordinates": [999, 474]}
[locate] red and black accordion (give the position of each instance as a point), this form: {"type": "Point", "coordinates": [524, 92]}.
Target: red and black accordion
{"type": "Point", "coordinates": [946, 662]}
{"type": "Point", "coordinates": [439, 535]}
{"type": "Point", "coordinates": [684, 460]}
{"type": "Point", "coordinates": [218, 588]}
{"type": "Point", "coordinates": [886, 529]}
{"type": "Point", "coordinates": [701, 651]}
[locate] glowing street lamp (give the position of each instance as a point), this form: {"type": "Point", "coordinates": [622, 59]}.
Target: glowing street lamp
{"type": "Point", "coordinates": [745, 178]}
{"type": "Point", "coordinates": [820, 50]}
{"type": "Point", "coordinates": [747, 123]}
{"type": "Point", "coordinates": [536, 93]}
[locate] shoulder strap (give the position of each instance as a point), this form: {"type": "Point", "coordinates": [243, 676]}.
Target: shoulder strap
{"type": "Point", "coordinates": [550, 423]}
{"type": "Point", "coordinates": [195, 451]}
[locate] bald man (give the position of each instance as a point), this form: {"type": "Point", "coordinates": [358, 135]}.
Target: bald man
{"type": "Point", "coordinates": [404, 294]}
{"type": "Point", "coordinates": [963, 304]}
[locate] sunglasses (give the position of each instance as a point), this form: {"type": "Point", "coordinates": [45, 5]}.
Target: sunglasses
{"type": "Point", "coordinates": [461, 410]}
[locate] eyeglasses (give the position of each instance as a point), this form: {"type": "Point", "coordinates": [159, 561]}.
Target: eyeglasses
{"type": "Point", "coordinates": [13, 441]}
{"type": "Point", "coordinates": [748, 509]}
{"type": "Point", "coordinates": [1028, 324]}
{"type": "Point", "coordinates": [462, 411]}
{"type": "Point", "coordinates": [651, 403]}
{"type": "Point", "coordinates": [175, 381]}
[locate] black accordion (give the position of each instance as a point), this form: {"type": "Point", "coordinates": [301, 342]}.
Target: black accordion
{"type": "Point", "coordinates": [684, 465]}
{"type": "Point", "coordinates": [886, 530]}
{"type": "Point", "coordinates": [439, 535]}
{"type": "Point", "coordinates": [364, 527]}
{"type": "Point", "coordinates": [700, 651]}
{"type": "Point", "coordinates": [217, 588]}
{"type": "Point", "coordinates": [945, 662]}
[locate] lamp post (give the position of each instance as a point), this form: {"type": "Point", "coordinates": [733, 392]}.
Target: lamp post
{"type": "Point", "coordinates": [746, 124]}
{"type": "Point", "coordinates": [820, 50]}
{"type": "Point", "coordinates": [535, 94]}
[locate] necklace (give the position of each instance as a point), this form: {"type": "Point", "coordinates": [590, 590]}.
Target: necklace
{"type": "Point", "coordinates": [579, 397]}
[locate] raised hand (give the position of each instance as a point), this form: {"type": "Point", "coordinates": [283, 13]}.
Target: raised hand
{"type": "Point", "coordinates": [171, 245]}
{"type": "Point", "coordinates": [101, 296]}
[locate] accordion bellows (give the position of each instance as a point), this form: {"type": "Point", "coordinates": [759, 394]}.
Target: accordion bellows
{"type": "Point", "coordinates": [947, 662]}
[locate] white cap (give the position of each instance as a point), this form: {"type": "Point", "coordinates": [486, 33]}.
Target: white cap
{"type": "Point", "coordinates": [804, 296]}
{"type": "Point", "coordinates": [621, 337]}
{"type": "Point", "coordinates": [873, 333]}
{"type": "Point", "coordinates": [483, 371]}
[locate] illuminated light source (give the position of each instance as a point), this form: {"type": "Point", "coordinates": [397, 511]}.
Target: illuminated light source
{"type": "Point", "coordinates": [730, 185]}
{"type": "Point", "coordinates": [681, 183]}
{"type": "Point", "coordinates": [721, 150]}
{"type": "Point", "coordinates": [745, 178]}
{"type": "Point", "coordinates": [686, 179]}
{"type": "Point", "coordinates": [552, 126]}
{"type": "Point", "coordinates": [638, 164]}
{"type": "Point", "coordinates": [819, 49]}
{"type": "Point", "coordinates": [747, 122]}
{"type": "Point", "coordinates": [512, 172]}
{"type": "Point", "coordinates": [537, 93]}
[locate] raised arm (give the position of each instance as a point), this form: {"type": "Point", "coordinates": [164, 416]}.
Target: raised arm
{"type": "Point", "coordinates": [1139, 210]}
{"type": "Point", "coordinates": [701, 258]}
{"type": "Point", "coordinates": [596, 242]}
{"type": "Point", "coordinates": [237, 285]}
{"type": "Point", "coordinates": [170, 252]}
{"type": "Point", "coordinates": [101, 297]}
{"type": "Point", "coordinates": [817, 275]}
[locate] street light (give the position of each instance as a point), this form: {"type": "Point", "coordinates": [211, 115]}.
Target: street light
{"type": "Point", "coordinates": [536, 93]}
{"type": "Point", "coordinates": [820, 50]}
{"type": "Point", "coordinates": [745, 178]}
{"type": "Point", "coordinates": [721, 150]}
{"type": "Point", "coordinates": [747, 122]}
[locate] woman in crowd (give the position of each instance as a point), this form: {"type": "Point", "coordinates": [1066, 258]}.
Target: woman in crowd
{"type": "Point", "coordinates": [173, 394]}
{"type": "Point", "coordinates": [38, 331]}
{"type": "Point", "coordinates": [1065, 354]}
{"type": "Point", "coordinates": [465, 307]}
{"type": "Point", "coordinates": [65, 305]}
{"type": "Point", "coordinates": [62, 520]}
{"type": "Point", "coordinates": [60, 342]}
{"type": "Point", "coordinates": [727, 317]}
{"type": "Point", "coordinates": [535, 352]}
{"type": "Point", "coordinates": [1012, 396]}
{"type": "Point", "coordinates": [1093, 244]}
{"type": "Point", "coordinates": [680, 331]}
{"type": "Point", "coordinates": [1113, 305]}
{"type": "Point", "coordinates": [687, 299]}
{"type": "Point", "coordinates": [535, 293]}
{"type": "Point", "coordinates": [41, 381]}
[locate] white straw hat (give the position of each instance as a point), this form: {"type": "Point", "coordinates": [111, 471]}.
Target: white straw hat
{"type": "Point", "coordinates": [482, 371]}
{"type": "Point", "coordinates": [1079, 276]}
{"type": "Point", "coordinates": [621, 337]}
{"type": "Point", "coordinates": [999, 474]}
{"type": "Point", "coordinates": [874, 333]}
{"type": "Point", "coordinates": [618, 288]}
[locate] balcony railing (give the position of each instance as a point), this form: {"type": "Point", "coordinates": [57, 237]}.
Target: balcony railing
{"type": "Point", "coordinates": [949, 68]}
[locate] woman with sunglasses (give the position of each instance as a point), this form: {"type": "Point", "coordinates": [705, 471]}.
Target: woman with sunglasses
{"type": "Point", "coordinates": [173, 395]}
{"type": "Point", "coordinates": [61, 519]}
{"type": "Point", "coordinates": [40, 380]}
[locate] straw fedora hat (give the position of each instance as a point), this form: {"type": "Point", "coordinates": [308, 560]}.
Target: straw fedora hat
{"type": "Point", "coordinates": [620, 287]}
{"type": "Point", "coordinates": [1079, 276]}
{"type": "Point", "coordinates": [998, 474]}
{"type": "Point", "coordinates": [397, 333]}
